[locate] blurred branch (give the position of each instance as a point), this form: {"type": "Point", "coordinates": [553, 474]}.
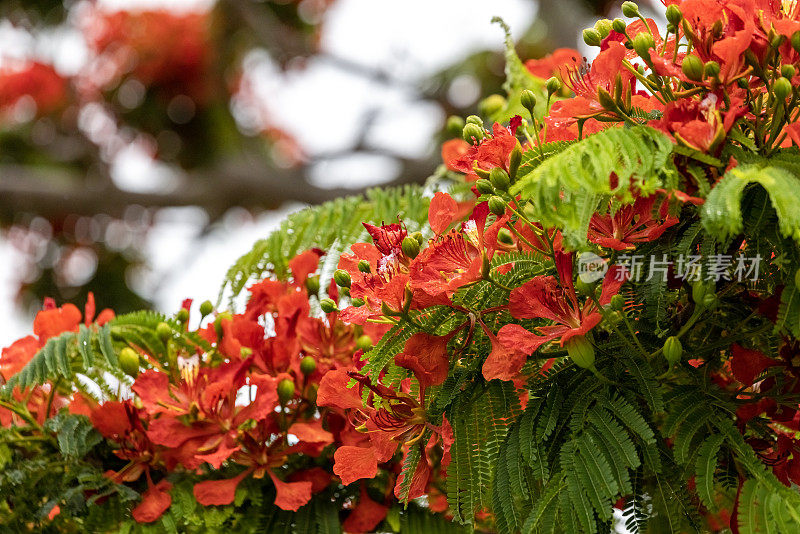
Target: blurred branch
{"type": "Point", "coordinates": [247, 182]}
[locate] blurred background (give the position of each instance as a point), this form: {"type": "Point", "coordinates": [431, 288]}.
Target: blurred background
{"type": "Point", "coordinates": [145, 145]}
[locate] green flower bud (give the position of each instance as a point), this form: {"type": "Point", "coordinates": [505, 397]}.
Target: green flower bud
{"type": "Point", "coordinates": [328, 305]}
{"type": "Point", "coordinates": [499, 179]}
{"type": "Point", "coordinates": [514, 160]}
{"type": "Point", "coordinates": [581, 351]}
{"type": "Point", "coordinates": [672, 28]}
{"type": "Point", "coordinates": [710, 300]}
{"type": "Point", "coordinates": [712, 69]}
{"type": "Point", "coordinates": [224, 316]}
{"type": "Point", "coordinates": [312, 285]}
{"type": "Point", "coordinates": [455, 125]}
{"type": "Point", "coordinates": [182, 316]}
{"type": "Point", "coordinates": [410, 247]}
{"type": "Point", "coordinates": [742, 83]}
{"type": "Point", "coordinates": [285, 390]}
{"type": "Point", "coordinates": [129, 361]}
{"type": "Point", "coordinates": [592, 37]}
{"type": "Point", "coordinates": [630, 9]}
{"type": "Point", "coordinates": [617, 302]}
{"type": "Point", "coordinates": [364, 343]}
{"type": "Point", "coordinates": [553, 85]}
{"type": "Point", "coordinates": [474, 119]}
{"type": "Point", "coordinates": [364, 267]}
{"type": "Point", "coordinates": [796, 41]}
{"type": "Point", "coordinates": [605, 99]}
{"type": "Point", "coordinates": [308, 365]}
{"type": "Point", "coordinates": [692, 67]}
{"type": "Point", "coordinates": [787, 71]}
{"type": "Point", "coordinates": [528, 100]}
{"type": "Point", "coordinates": [618, 25]}
{"type": "Point", "coordinates": [797, 278]}
{"type": "Point", "coordinates": [674, 15]}
{"type": "Point", "coordinates": [603, 27]}
{"type": "Point", "coordinates": [782, 88]}
{"type": "Point", "coordinates": [777, 41]}
{"type": "Point", "coordinates": [418, 237]}
{"type": "Point", "coordinates": [484, 186]}
{"type": "Point", "coordinates": [206, 308]}
{"type": "Point", "coordinates": [492, 104]}
{"type": "Point", "coordinates": [497, 205]}
{"type": "Point", "coordinates": [699, 290]}
{"type": "Point", "coordinates": [642, 43]}
{"type": "Point", "coordinates": [357, 302]}
{"type": "Point", "coordinates": [672, 350]}
{"type": "Point", "coordinates": [505, 237]}
{"type": "Point", "coordinates": [473, 133]}
{"type": "Point", "coordinates": [342, 278]}
{"type": "Point", "coordinates": [163, 331]}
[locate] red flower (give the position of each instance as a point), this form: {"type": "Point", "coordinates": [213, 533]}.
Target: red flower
{"type": "Point", "coordinates": [366, 515]}
{"type": "Point", "coordinates": [218, 492]}
{"type": "Point", "coordinates": [551, 64]}
{"type": "Point", "coordinates": [155, 502]}
{"type": "Point", "coordinates": [41, 82]}
{"type": "Point", "coordinates": [442, 212]}
{"type": "Point", "coordinates": [427, 357]}
{"type": "Point", "coordinates": [552, 298]}
{"type": "Point", "coordinates": [493, 151]}
{"type": "Point", "coordinates": [631, 224]}
{"type": "Point", "coordinates": [747, 364]}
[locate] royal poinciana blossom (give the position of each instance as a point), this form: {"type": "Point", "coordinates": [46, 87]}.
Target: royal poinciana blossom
{"type": "Point", "coordinates": [505, 365]}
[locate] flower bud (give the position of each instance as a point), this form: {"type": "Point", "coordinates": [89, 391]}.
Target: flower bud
{"type": "Point", "coordinates": [224, 316]}
{"type": "Point", "coordinates": [163, 331]}
{"type": "Point", "coordinates": [672, 28]}
{"type": "Point", "coordinates": [474, 119]}
{"type": "Point", "coordinates": [592, 37]}
{"type": "Point", "coordinates": [603, 27]}
{"type": "Point", "coordinates": [504, 236]}
{"type": "Point", "coordinates": [514, 160]}
{"type": "Point", "coordinates": [796, 41]}
{"type": "Point", "coordinates": [492, 104]}
{"type": "Point", "coordinates": [418, 237]}
{"type": "Point", "coordinates": [206, 308]}
{"type": "Point", "coordinates": [364, 266]}
{"type": "Point", "coordinates": [605, 99]}
{"type": "Point", "coordinates": [499, 179]}
{"type": "Point", "coordinates": [364, 343]}
{"type": "Point", "coordinates": [692, 67]}
{"type": "Point", "coordinates": [308, 365]}
{"type": "Point", "coordinates": [787, 71]}
{"type": "Point", "coordinates": [455, 125]}
{"type": "Point", "coordinates": [129, 361]}
{"type": "Point", "coordinates": [357, 302]}
{"type": "Point", "coordinates": [710, 300]}
{"type": "Point", "coordinates": [285, 390]}
{"type": "Point", "coordinates": [312, 285]}
{"type": "Point", "coordinates": [473, 133]}
{"type": "Point", "coordinates": [777, 41]}
{"type": "Point", "coordinates": [618, 25]}
{"type": "Point", "coordinates": [699, 290]}
{"type": "Point", "coordinates": [712, 69]}
{"type": "Point", "coordinates": [674, 15]}
{"type": "Point", "coordinates": [528, 100]}
{"type": "Point", "coordinates": [182, 316]}
{"type": "Point", "coordinates": [584, 288]}
{"type": "Point", "coordinates": [782, 88]}
{"type": "Point", "coordinates": [342, 278]}
{"type": "Point", "coordinates": [553, 85]}
{"type": "Point", "coordinates": [328, 305]}
{"type": "Point", "coordinates": [672, 350]}
{"type": "Point", "coordinates": [410, 247]}
{"type": "Point", "coordinates": [484, 187]}
{"type": "Point", "coordinates": [630, 9]}
{"type": "Point", "coordinates": [617, 302]}
{"type": "Point", "coordinates": [797, 278]}
{"type": "Point", "coordinates": [581, 351]}
{"type": "Point", "coordinates": [642, 43]}
{"type": "Point", "coordinates": [497, 205]}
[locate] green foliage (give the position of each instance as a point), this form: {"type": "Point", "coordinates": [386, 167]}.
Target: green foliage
{"type": "Point", "coordinates": [567, 188]}
{"type": "Point", "coordinates": [722, 213]}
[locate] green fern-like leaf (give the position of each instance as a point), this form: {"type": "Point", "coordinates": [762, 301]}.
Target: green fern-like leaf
{"type": "Point", "coordinates": [722, 212]}
{"type": "Point", "coordinates": [567, 188]}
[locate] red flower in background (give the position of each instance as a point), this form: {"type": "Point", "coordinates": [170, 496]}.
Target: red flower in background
{"type": "Point", "coordinates": [554, 63]}
{"type": "Point", "coordinates": [492, 151]}
{"type": "Point", "coordinates": [41, 82]}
